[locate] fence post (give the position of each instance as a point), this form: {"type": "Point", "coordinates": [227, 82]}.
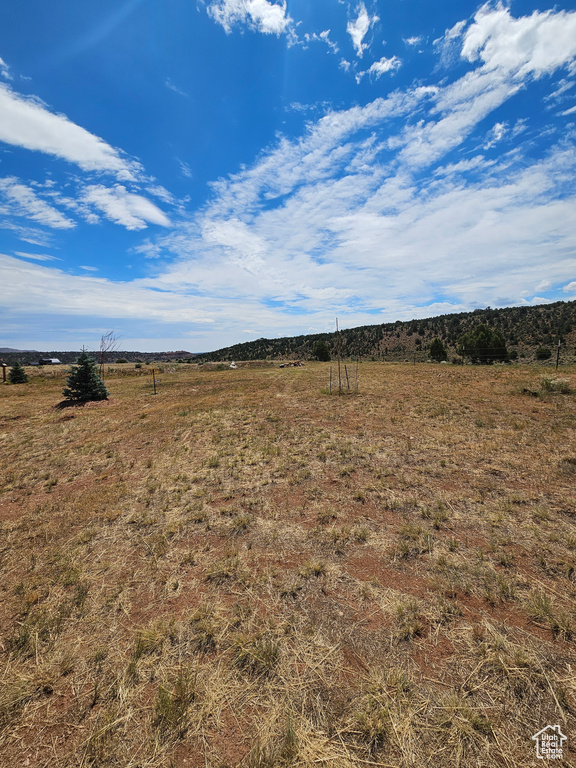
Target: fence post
{"type": "Point", "coordinates": [338, 350]}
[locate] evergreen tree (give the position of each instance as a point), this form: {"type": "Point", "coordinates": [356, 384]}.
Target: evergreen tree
{"type": "Point", "coordinates": [438, 351]}
{"type": "Point", "coordinates": [17, 374]}
{"type": "Point", "coordinates": [321, 351]}
{"type": "Point", "coordinates": [84, 383]}
{"type": "Point", "coordinates": [543, 353]}
{"type": "Point", "coordinates": [483, 345]}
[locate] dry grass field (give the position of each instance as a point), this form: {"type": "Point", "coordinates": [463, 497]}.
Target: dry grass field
{"type": "Point", "coordinates": [245, 571]}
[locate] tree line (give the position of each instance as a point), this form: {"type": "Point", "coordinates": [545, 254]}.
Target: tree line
{"type": "Point", "coordinates": [529, 332]}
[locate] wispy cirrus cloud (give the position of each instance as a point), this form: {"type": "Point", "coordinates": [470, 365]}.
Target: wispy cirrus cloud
{"type": "Point", "coordinates": [449, 46]}
{"type": "Point", "coordinates": [171, 86]}
{"type": "Point", "coordinates": [185, 169]}
{"type": "Point", "coordinates": [27, 234]}
{"type": "Point", "coordinates": [123, 207]}
{"type": "Point", "coordinates": [321, 37]}
{"type": "Point", "coordinates": [5, 70]}
{"type": "Point", "coordinates": [21, 200]}
{"type": "Point", "coordinates": [561, 92]}
{"type": "Point", "coordinates": [36, 256]}
{"type": "Point", "coordinates": [28, 123]}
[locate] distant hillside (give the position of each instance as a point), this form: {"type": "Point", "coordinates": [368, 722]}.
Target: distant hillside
{"type": "Point", "coordinates": [524, 328]}
{"type": "Point", "coordinates": [15, 351]}
{"type": "Point", "coordinates": [27, 356]}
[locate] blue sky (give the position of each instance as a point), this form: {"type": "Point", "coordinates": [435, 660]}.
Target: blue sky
{"type": "Point", "coordinates": [195, 174]}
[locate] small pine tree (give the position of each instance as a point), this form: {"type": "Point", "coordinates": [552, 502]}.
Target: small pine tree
{"type": "Point", "coordinates": [438, 351]}
{"type": "Point", "coordinates": [17, 374]}
{"type": "Point", "coordinates": [84, 383]}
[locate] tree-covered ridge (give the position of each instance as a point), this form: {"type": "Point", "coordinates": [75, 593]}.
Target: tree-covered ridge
{"type": "Point", "coordinates": [524, 330]}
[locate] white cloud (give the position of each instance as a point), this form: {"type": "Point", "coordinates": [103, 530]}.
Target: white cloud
{"type": "Point", "coordinates": [245, 249]}
{"type": "Point", "coordinates": [28, 234]}
{"type": "Point", "coordinates": [161, 193]}
{"type": "Point", "coordinates": [570, 288]}
{"type": "Point", "coordinates": [59, 293]}
{"type": "Point", "coordinates": [543, 285]}
{"type": "Point", "coordinates": [323, 37]}
{"type": "Point", "coordinates": [169, 84]}
{"type": "Point", "coordinates": [510, 50]}
{"type": "Point", "coordinates": [464, 166]}
{"type": "Point", "coordinates": [536, 44]}
{"type": "Point", "coordinates": [23, 201]}
{"type": "Point", "coordinates": [359, 28]}
{"type": "Point", "coordinates": [412, 41]}
{"type": "Point", "coordinates": [363, 240]}
{"type": "Point", "coordinates": [126, 208]}
{"type": "Point", "coordinates": [36, 256]}
{"type": "Point", "coordinates": [148, 249]}
{"type": "Point", "coordinates": [561, 91]}
{"type": "Point", "coordinates": [495, 135]}
{"type": "Point", "coordinates": [5, 70]}
{"type": "Point", "coordinates": [455, 32]}
{"type": "Point", "coordinates": [89, 269]}
{"type": "Point", "coordinates": [384, 65]}
{"type": "Point", "coordinates": [323, 152]}
{"type": "Point", "coordinates": [260, 15]}
{"type": "Point", "coordinates": [448, 44]}
{"type": "Point", "coordinates": [185, 169]}
{"type": "Point", "coordinates": [461, 105]}
{"type": "Point", "coordinates": [28, 123]}
{"type": "Point", "coordinates": [567, 112]}
{"type": "Point", "coordinates": [70, 203]}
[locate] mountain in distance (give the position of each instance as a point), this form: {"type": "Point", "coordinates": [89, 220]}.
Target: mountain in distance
{"type": "Point", "coordinates": [11, 350]}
